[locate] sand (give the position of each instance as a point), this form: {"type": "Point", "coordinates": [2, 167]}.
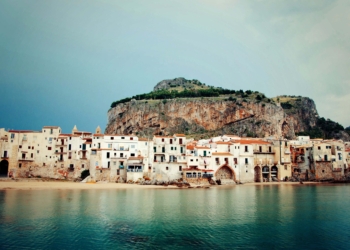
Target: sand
{"type": "Point", "coordinates": [59, 185]}
{"type": "Point", "coordinates": [44, 185]}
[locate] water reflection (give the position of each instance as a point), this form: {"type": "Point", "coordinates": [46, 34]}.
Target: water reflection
{"type": "Point", "coordinates": [223, 217]}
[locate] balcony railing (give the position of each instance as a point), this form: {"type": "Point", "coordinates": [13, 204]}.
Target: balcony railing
{"type": "Point", "coordinates": [25, 159]}
{"type": "Point", "coordinates": [121, 149]}
{"type": "Point", "coordinates": [135, 170]}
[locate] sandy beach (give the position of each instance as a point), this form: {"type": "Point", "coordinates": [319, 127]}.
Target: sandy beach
{"type": "Point", "coordinates": [59, 185]}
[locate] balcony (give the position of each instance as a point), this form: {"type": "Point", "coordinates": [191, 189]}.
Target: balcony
{"type": "Point", "coordinates": [134, 170]}
{"type": "Point", "coordinates": [25, 159]}
{"type": "Point", "coordinates": [118, 157]}
{"type": "Point", "coordinates": [60, 153]}
{"type": "Point", "coordinates": [121, 149]}
{"type": "Point", "coordinates": [256, 151]}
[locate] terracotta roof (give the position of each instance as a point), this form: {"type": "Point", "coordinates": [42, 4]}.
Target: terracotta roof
{"type": "Point", "coordinates": [252, 141]}
{"type": "Point", "coordinates": [143, 139]}
{"type": "Point", "coordinates": [82, 132]}
{"type": "Point", "coordinates": [135, 158]}
{"type": "Point", "coordinates": [99, 135]}
{"type": "Point", "coordinates": [190, 147]}
{"type": "Point", "coordinates": [24, 131]}
{"type": "Point", "coordinates": [191, 169]}
{"type": "Point", "coordinates": [222, 153]}
{"type": "Point", "coordinates": [159, 136]}
{"type": "Point", "coordinates": [224, 142]}
{"type": "Point", "coordinates": [117, 135]}
{"type": "Point", "coordinates": [180, 135]}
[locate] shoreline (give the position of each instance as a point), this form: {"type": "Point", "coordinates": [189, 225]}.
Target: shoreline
{"type": "Point", "coordinates": [66, 185]}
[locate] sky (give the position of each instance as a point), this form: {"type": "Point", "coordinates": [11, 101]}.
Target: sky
{"type": "Point", "coordinates": [64, 62]}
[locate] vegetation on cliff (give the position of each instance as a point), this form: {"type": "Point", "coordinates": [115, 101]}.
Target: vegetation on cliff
{"type": "Point", "coordinates": [325, 128]}
{"type": "Point", "coordinates": [194, 108]}
{"type": "Point", "coordinates": [191, 89]}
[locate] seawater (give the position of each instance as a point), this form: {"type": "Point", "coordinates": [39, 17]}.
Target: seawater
{"type": "Point", "coordinates": [246, 217]}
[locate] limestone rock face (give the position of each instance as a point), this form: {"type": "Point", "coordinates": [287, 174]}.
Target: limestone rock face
{"type": "Point", "coordinates": [219, 115]}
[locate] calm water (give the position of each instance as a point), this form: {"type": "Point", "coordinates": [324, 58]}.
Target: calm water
{"type": "Point", "coordinates": [247, 217]}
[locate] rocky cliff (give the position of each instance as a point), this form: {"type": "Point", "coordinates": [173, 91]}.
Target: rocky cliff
{"type": "Point", "coordinates": [246, 114]}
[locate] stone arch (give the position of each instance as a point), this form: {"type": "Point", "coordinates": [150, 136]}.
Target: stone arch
{"type": "Point", "coordinates": [266, 173]}
{"type": "Point", "coordinates": [257, 174]}
{"type": "Point", "coordinates": [274, 172]}
{"type": "Point", "coordinates": [4, 168]}
{"type": "Point", "coordinates": [225, 172]}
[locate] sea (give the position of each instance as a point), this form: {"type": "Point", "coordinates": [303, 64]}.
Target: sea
{"type": "Point", "coordinates": [221, 217]}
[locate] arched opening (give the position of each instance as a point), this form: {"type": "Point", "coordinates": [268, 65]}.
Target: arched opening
{"type": "Point", "coordinates": [274, 173]}
{"type": "Point", "coordinates": [225, 173]}
{"type": "Point", "coordinates": [4, 168]}
{"type": "Point", "coordinates": [257, 174]}
{"type": "Point", "coordinates": [266, 174]}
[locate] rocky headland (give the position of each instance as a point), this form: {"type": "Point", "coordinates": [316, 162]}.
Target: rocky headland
{"type": "Point", "coordinates": [192, 108]}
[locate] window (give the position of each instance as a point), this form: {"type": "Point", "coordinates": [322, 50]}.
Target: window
{"type": "Point", "coordinates": [32, 147]}
{"type": "Point", "coordinates": [171, 148]}
{"type": "Point", "coordinates": [171, 141]}
{"type": "Point", "coordinates": [260, 149]}
{"type": "Point", "coordinates": [180, 168]}
{"type": "Point", "coordinates": [163, 149]}
{"type": "Point", "coordinates": [107, 155]}
{"type": "Point", "coordinates": [131, 138]}
{"type": "Point", "coordinates": [217, 161]}
{"type": "Point", "coordinates": [245, 148]}
{"type": "Point", "coordinates": [246, 160]}
{"type": "Point", "coordinates": [121, 155]}
{"type": "Point", "coordinates": [82, 166]}
{"type": "Point", "coordinates": [285, 167]}
{"type": "Point", "coordinates": [235, 160]}
{"type": "Point", "coordinates": [162, 139]}
{"type": "Point", "coordinates": [108, 164]}
{"type": "Point", "coordinates": [20, 146]}
{"type": "Point", "coordinates": [112, 138]}
{"type": "Point", "coordinates": [31, 155]}
{"type": "Point", "coordinates": [270, 150]}
{"type": "Point", "coordinates": [44, 164]}
{"type": "Point", "coordinates": [319, 148]}
{"type": "Point", "coordinates": [167, 168]}
{"type": "Point", "coordinates": [109, 145]}
{"type": "Point", "coordinates": [154, 149]}
{"type": "Point", "coordinates": [70, 147]}
{"type": "Point", "coordinates": [123, 137]}
{"type": "Point", "coordinates": [12, 136]}
{"type": "Point", "coordinates": [132, 154]}
{"type": "Point", "coordinates": [48, 148]}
